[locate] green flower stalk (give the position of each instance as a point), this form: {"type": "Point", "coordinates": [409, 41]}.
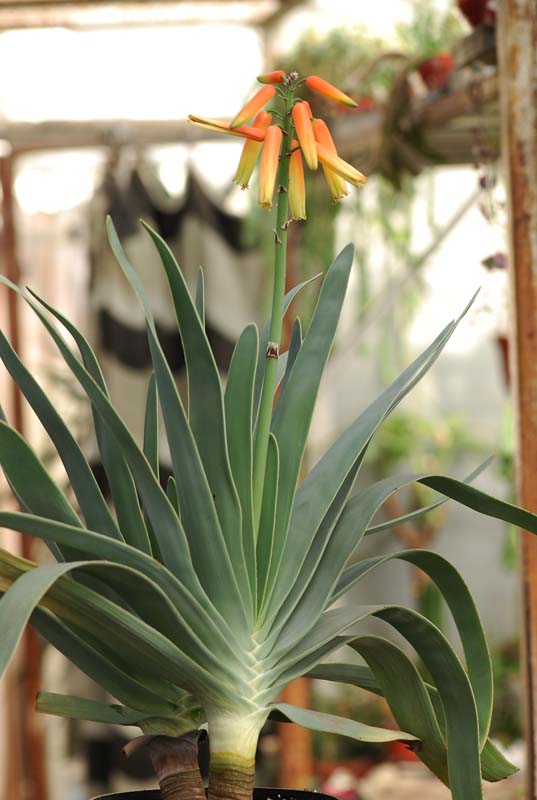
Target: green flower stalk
{"type": "Point", "coordinates": [196, 605]}
{"type": "Point", "coordinates": [278, 150]}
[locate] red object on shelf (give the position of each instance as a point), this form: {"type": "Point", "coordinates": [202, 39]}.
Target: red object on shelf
{"type": "Point", "coordinates": [363, 103]}
{"type": "Point", "coordinates": [478, 12]}
{"type": "Point", "coordinates": [366, 103]}
{"type": "Point", "coordinates": [436, 70]}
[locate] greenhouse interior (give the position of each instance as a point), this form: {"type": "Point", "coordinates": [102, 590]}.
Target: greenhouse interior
{"type": "Point", "coordinates": [268, 405]}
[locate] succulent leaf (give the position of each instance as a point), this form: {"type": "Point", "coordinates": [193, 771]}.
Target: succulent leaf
{"type": "Point", "coordinates": [200, 462]}
{"type": "Point", "coordinates": [93, 506]}
{"type": "Point", "coordinates": [494, 766]}
{"type": "Point", "coordinates": [118, 474]}
{"type": "Point", "coordinates": [330, 723]}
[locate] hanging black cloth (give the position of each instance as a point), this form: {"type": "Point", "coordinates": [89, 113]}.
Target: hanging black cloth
{"type": "Point", "coordinates": [199, 232]}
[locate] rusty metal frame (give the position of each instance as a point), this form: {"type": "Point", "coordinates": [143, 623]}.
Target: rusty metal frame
{"type": "Point", "coordinates": [517, 38]}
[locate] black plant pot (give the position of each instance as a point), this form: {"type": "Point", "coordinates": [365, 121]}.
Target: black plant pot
{"type": "Point", "coordinates": [259, 794]}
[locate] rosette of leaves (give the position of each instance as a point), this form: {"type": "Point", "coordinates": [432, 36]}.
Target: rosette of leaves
{"type": "Point", "coordinates": [185, 609]}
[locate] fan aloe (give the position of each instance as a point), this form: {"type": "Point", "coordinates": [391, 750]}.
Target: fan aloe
{"type": "Point", "coordinates": [201, 601]}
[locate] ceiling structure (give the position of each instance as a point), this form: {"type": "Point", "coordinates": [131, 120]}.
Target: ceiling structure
{"type": "Point", "coordinates": [449, 126]}
{"type": "Point", "coordinates": [92, 14]}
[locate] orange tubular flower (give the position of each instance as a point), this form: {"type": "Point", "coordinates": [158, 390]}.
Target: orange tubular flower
{"type": "Point", "coordinates": [310, 112]}
{"type": "Point", "coordinates": [251, 151]}
{"type": "Point", "coordinates": [297, 186]}
{"type": "Point", "coordinates": [269, 164]}
{"type": "Point", "coordinates": [304, 131]}
{"type": "Point", "coordinates": [336, 184]}
{"type": "Point", "coordinates": [245, 131]}
{"type": "Point", "coordinates": [339, 166]}
{"type": "Point", "coordinates": [325, 88]}
{"type": "Point", "coordinates": [323, 135]}
{"type": "Point", "coordinates": [254, 105]}
{"type": "Point", "coordinates": [272, 77]}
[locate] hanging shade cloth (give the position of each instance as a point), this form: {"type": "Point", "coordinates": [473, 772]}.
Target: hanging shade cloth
{"type": "Point", "coordinates": [200, 233]}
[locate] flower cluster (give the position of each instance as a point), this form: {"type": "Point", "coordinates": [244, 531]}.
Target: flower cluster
{"type": "Point", "coordinates": [292, 132]}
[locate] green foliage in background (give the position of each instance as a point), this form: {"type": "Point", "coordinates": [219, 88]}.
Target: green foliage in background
{"type": "Point", "coordinates": [432, 30]}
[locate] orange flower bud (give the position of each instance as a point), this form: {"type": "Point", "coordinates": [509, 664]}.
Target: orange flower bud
{"type": "Point", "coordinates": [269, 164]}
{"type": "Point", "coordinates": [245, 131]}
{"type": "Point", "coordinates": [336, 184]}
{"type": "Point", "coordinates": [304, 131]}
{"type": "Point", "coordinates": [339, 166]}
{"type": "Point", "coordinates": [323, 87]}
{"type": "Point", "coordinates": [251, 151]}
{"type": "Point", "coordinates": [254, 105]}
{"type": "Point", "coordinates": [297, 186]}
{"type": "Point", "coordinates": [277, 76]}
{"type": "Point", "coordinates": [310, 112]}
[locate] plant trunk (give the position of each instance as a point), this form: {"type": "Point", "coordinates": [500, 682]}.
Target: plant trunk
{"type": "Point", "coordinates": [175, 762]}
{"type": "Point", "coordinates": [233, 744]}
{"type": "Point", "coordinates": [231, 782]}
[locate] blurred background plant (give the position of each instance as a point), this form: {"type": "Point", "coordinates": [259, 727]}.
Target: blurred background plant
{"type": "Point", "coordinates": [433, 29]}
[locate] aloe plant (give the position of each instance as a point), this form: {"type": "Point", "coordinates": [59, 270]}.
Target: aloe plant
{"type": "Point", "coordinates": [199, 602]}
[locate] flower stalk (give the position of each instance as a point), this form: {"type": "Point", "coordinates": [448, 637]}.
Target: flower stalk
{"type": "Point", "coordinates": [281, 158]}
{"type": "Point", "coordinates": [275, 334]}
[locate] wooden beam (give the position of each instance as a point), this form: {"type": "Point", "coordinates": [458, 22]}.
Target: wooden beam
{"type": "Point", "coordinates": [517, 35]}
{"type": "Point", "coordinates": [452, 127]}
{"type": "Point", "coordinates": [18, 4]}
{"type": "Point", "coordinates": [284, 8]}
{"type": "Point", "coordinates": [26, 137]}
{"type": "Point", "coordinates": [480, 45]}
{"type": "Point", "coordinates": [92, 14]}
{"type": "Point", "coordinates": [474, 95]}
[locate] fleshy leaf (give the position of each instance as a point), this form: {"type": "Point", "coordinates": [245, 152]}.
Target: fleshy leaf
{"type": "Point", "coordinates": [212, 535]}
{"type": "Point", "coordinates": [92, 504]}
{"type": "Point", "coordinates": [330, 723]}
{"type": "Point", "coordinates": [291, 420]}
{"type": "Point", "coordinates": [494, 765]}
{"type": "Point", "coordinates": [238, 404]}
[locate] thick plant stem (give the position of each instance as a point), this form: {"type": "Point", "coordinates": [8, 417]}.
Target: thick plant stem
{"type": "Point", "coordinates": [185, 785]}
{"type": "Point", "coordinates": [233, 742]}
{"type": "Point", "coordinates": [231, 783]}
{"type": "Point", "coordinates": [275, 334]}
{"type": "Point", "coordinates": [175, 762]}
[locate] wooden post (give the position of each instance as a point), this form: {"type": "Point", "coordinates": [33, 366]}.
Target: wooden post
{"type": "Point", "coordinates": [28, 766]}
{"type": "Point", "coordinates": [517, 47]}
{"type": "Point", "coordinates": [296, 757]}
